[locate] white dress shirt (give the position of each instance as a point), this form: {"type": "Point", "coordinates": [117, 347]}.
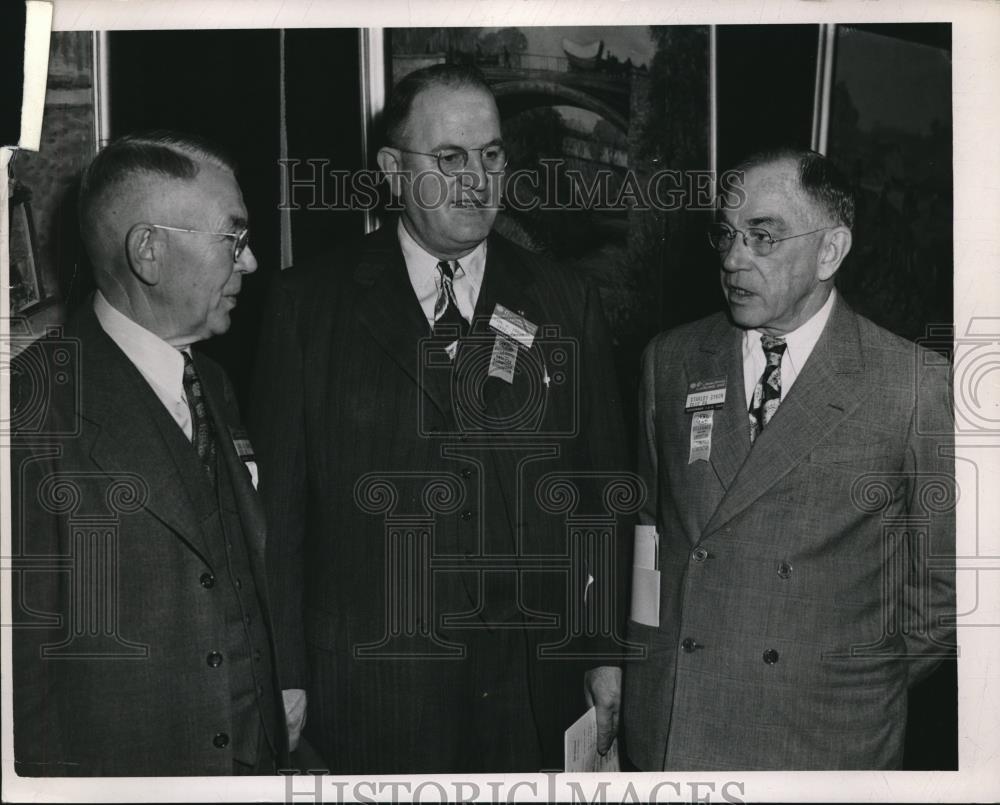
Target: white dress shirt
{"type": "Point", "coordinates": [160, 364]}
{"type": "Point", "coordinates": [800, 346]}
{"type": "Point", "coordinates": [426, 279]}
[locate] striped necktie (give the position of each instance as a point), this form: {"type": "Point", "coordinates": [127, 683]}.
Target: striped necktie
{"type": "Point", "coordinates": [449, 326]}
{"type": "Point", "coordinates": [767, 393]}
{"type": "Point", "coordinates": [202, 430]}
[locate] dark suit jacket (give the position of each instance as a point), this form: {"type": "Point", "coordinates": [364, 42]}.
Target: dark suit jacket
{"type": "Point", "coordinates": [814, 572]}
{"type": "Point", "coordinates": [356, 432]}
{"type": "Point", "coordinates": [101, 507]}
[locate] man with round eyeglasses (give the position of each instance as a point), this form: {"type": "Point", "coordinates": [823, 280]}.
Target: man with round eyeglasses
{"type": "Point", "coordinates": [802, 498]}
{"type": "Point", "coordinates": [143, 643]}
{"type": "Point", "coordinates": [436, 374]}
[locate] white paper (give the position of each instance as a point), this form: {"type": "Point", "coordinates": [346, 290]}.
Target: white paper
{"type": "Point", "coordinates": [646, 543]}
{"type": "Point", "coordinates": [580, 747]}
{"type": "Point", "coordinates": [645, 596]}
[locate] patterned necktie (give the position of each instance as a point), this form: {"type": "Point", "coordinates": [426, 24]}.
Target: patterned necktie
{"type": "Point", "coordinates": [202, 431]}
{"type": "Point", "coordinates": [449, 326]}
{"type": "Point", "coordinates": [767, 394]}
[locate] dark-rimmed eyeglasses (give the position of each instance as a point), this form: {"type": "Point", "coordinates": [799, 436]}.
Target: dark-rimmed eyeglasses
{"type": "Point", "coordinates": [758, 241]}
{"type": "Point", "coordinates": [452, 161]}
{"type": "Point", "coordinates": [240, 239]}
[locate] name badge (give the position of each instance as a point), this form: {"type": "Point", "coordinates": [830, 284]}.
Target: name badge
{"type": "Point", "coordinates": [705, 394]}
{"type": "Point", "coordinates": [514, 326]}
{"type": "Point", "coordinates": [244, 449]}
{"type": "Point", "coordinates": [504, 359]}
{"type": "Point", "coordinates": [701, 436]}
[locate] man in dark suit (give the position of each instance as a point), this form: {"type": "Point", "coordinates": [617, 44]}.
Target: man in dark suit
{"type": "Point", "coordinates": [142, 640]}
{"type": "Point", "coordinates": [434, 408]}
{"type": "Point", "coordinates": [794, 570]}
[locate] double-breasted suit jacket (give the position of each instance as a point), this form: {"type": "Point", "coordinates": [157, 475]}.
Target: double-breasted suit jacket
{"type": "Point", "coordinates": [423, 547]}
{"type": "Point", "coordinates": [130, 654]}
{"type": "Point", "coordinates": [806, 581]}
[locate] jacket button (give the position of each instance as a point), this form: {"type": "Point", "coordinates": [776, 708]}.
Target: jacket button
{"type": "Point", "coordinates": [770, 656]}
{"type": "Point", "coordinates": [699, 555]}
{"type": "Point", "coordinates": [207, 580]}
{"type": "Point", "coordinates": [214, 659]}
{"type": "Point", "coordinates": [689, 644]}
{"type": "Point", "coordinates": [221, 740]}
{"type": "Point", "coordinates": [466, 515]}
{"type": "Point", "coordinates": [784, 570]}
{"type": "Point", "coordinates": [466, 473]}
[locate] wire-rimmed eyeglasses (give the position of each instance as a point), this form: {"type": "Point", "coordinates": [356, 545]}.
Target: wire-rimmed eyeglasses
{"type": "Point", "coordinates": [452, 161]}
{"type": "Point", "coordinates": [758, 241]}
{"type": "Point", "coordinates": [240, 238]}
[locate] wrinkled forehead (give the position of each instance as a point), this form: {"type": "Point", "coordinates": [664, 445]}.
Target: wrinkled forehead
{"type": "Point", "coordinates": [767, 195]}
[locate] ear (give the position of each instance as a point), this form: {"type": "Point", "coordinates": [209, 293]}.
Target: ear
{"type": "Point", "coordinates": [836, 245]}
{"type": "Point", "coordinates": [390, 163]}
{"type": "Point", "coordinates": [145, 250]}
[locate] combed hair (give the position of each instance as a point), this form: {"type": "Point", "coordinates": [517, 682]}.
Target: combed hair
{"type": "Point", "coordinates": [819, 178]}
{"type": "Point", "coordinates": [400, 104]}
{"type": "Point", "coordinates": [163, 153]}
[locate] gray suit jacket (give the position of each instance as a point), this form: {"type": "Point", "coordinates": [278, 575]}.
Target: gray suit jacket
{"type": "Point", "coordinates": [813, 573]}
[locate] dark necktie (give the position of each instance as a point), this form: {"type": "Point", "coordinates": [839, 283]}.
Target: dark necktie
{"type": "Point", "coordinates": [202, 430]}
{"type": "Point", "coordinates": [449, 326]}
{"type": "Point", "coordinates": [767, 394]}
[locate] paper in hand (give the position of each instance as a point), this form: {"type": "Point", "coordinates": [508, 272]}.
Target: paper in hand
{"type": "Point", "coordinates": [580, 747]}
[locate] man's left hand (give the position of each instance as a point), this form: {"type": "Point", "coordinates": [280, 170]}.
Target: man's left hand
{"type": "Point", "coordinates": [603, 690]}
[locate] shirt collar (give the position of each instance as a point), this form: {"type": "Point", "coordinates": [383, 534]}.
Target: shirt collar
{"type": "Point", "coordinates": [161, 364]}
{"type": "Point", "coordinates": [800, 341]}
{"type": "Point", "coordinates": [422, 265]}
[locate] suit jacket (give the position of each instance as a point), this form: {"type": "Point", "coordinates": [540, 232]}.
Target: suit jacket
{"type": "Point", "coordinates": [805, 582]}
{"type": "Point", "coordinates": [370, 446]}
{"type": "Point", "coordinates": [117, 683]}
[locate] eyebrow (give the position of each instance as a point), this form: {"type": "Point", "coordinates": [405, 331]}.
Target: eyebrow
{"type": "Point", "coordinates": [237, 222]}
{"type": "Point", "coordinates": [766, 220]}
{"type": "Point", "coordinates": [454, 147]}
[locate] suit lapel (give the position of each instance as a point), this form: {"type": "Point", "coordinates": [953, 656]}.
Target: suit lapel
{"type": "Point", "coordinates": [130, 418]}
{"type": "Point", "coordinates": [388, 309]}
{"type": "Point", "coordinates": [250, 508]}
{"type": "Point", "coordinates": [825, 392]}
{"type": "Point", "coordinates": [731, 438]}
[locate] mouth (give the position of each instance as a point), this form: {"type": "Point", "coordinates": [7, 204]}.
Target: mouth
{"type": "Point", "coordinates": [469, 204]}
{"type": "Point", "coordinates": [738, 293]}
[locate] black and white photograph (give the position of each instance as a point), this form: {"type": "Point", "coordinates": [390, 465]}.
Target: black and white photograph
{"type": "Point", "coordinates": [561, 403]}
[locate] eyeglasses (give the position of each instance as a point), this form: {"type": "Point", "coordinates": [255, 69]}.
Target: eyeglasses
{"type": "Point", "coordinates": [452, 161]}
{"type": "Point", "coordinates": [240, 238]}
{"type": "Point", "coordinates": [758, 241]}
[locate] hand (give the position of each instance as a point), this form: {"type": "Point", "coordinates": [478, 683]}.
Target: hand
{"type": "Point", "coordinates": [602, 688]}
{"type": "Point", "coordinates": [295, 714]}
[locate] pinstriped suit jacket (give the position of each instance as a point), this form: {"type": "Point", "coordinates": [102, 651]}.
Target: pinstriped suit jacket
{"type": "Point", "coordinates": [350, 423]}
{"type": "Point", "coordinates": [828, 584]}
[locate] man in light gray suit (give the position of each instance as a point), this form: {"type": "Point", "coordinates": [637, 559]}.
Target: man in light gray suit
{"type": "Point", "coordinates": [795, 571]}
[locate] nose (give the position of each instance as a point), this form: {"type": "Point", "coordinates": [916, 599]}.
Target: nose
{"type": "Point", "coordinates": [474, 175]}
{"type": "Point", "coordinates": [738, 256]}
{"type": "Point", "coordinates": [247, 263]}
